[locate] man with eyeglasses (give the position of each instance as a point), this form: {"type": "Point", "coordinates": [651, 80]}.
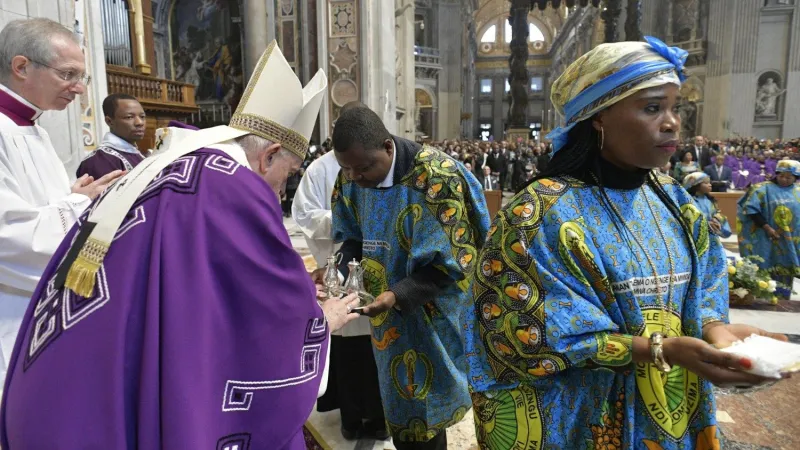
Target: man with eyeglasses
{"type": "Point", "coordinates": [41, 69]}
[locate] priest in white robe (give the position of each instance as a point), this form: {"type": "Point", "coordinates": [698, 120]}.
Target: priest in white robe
{"type": "Point", "coordinates": [37, 204]}
{"type": "Point", "coordinates": [353, 383]}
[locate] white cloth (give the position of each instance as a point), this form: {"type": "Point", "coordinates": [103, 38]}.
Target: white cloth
{"type": "Point", "coordinates": [311, 211]}
{"type": "Point", "coordinates": [389, 180]}
{"type": "Point", "coordinates": [36, 212]}
{"type": "Point", "coordinates": [119, 144]}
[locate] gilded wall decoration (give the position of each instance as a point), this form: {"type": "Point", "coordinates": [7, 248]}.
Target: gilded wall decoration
{"type": "Point", "coordinates": [288, 33]}
{"type": "Point", "coordinates": [344, 48]}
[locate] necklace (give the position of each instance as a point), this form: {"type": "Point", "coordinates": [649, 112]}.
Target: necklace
{"type": "Point", "coordinates": [663, 302]}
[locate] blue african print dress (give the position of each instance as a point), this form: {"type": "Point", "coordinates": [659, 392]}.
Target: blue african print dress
{"type": "Point", "coordinates": [561, 289]}
{"type": "Point", "coordinates": [710, 210]}
{"type": "Point", "coordinates": [435, 217]}
{"type": "Point", "coordinates": [780, 208]}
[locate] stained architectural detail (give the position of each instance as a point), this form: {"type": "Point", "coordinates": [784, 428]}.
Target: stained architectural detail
{"type": "Point", "coordinates": [519, 79]}
{"type": "Point", "coordinates": [610, 16]}
{"type": "Point", "coordinates": [288, 33]}
{"type": "Point", "coordinates": [344, 48]}
{"type": "Point", "coordinates": [633, 21]}
{"type": "Point", "coordinates": [684, 20]}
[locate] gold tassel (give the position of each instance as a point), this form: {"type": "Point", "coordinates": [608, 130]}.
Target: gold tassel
{"type": "Point", "coordinates": [82, 275]}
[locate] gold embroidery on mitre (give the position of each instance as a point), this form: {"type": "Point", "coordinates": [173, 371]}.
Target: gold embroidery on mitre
{"type": "Point", "coordinates": [272, 131]}
{"type": "Point", "coordinates": [261, 126]}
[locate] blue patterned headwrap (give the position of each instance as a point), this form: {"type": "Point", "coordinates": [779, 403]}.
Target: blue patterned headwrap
{"type": "Point", "coordinates": [608, 74]}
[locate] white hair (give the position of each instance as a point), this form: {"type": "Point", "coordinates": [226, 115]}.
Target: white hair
{"type": "Point", "coordinates": [252, 144]}
{"type": "Point", "coordinates": [31, 38]}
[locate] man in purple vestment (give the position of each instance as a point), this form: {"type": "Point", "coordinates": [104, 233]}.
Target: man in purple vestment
{"type": "Point", "coordinates": [125, 118]}
{"type": "Point", "coordinates": [176, 314]}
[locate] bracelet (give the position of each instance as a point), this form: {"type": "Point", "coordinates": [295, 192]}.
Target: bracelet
{"type": "Point", "coordinates": [657, 352]}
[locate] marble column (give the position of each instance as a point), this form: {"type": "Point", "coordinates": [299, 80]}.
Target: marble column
{"type": "Point", "coordinates": [650, 18]}
{"type": "Point", "coordinates": [791, 117]}
{"type": "Point", "coordinates": [93, 125]}
{"type": "Point", "coordinates": [378, 50]}
{"type": "Point", "coordinates": [716, 111]}
{"type": "Point", "coordinates": [745, 51]}
{"type": "Point", "coordinates": [322, 59]}
{"type": "Point", "coordinates": [448, 27]}
{"type": "Point", "coordinates": [404, 65]}
{"type": "Point", "coordinates": [255, 32]}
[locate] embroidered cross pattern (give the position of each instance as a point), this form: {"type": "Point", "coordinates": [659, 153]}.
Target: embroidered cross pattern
{"type": "Point", "coordinates": [239, 394]}
{"type": "Point", "coordinates": [240, 441]}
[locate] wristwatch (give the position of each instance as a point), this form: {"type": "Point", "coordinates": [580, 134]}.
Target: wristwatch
{"type": "Point", "coordinates": [657, 352]}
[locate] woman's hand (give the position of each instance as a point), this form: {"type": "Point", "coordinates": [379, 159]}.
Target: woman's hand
{"type": "Point", "coordinates": [772, 233]}
{"type": "Point", "coordinates": [338, 312]}
{"type": "Point", "coordinates": [718, 367]}
{"type": "Point", "coordinates": [382, 303]}
{"type": "Point", "coordinates": [715, 226]}
{"type": "Point", "coordinates": [722, 335]}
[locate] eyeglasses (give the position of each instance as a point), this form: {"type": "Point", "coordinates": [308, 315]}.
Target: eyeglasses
{"type": "Point", "coordinates": [67, 75]}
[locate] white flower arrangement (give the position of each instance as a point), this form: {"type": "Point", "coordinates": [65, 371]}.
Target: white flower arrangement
{"type": "Point", "coordinates": [748, 282]}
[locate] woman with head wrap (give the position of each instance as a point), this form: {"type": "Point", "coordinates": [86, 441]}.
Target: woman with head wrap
{"type": "Point", "coordinates": [599, 295]}
{"type": "Point", "coordinates": [768, 223]}
{"type": "Point", "coordinates": [698, 185]}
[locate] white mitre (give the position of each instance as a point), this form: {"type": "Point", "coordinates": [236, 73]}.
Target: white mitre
{"type": "Point", "coordinates": [166, 137]}
{"type": "Point", "coordinates": [275, 106]}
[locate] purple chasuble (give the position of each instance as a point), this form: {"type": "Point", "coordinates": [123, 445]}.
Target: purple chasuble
{"type": "Point", "coordinates": [105, 160]}
{"type": "Point", "coordinates": [203, 331]}
{"type": "Point", "coordinates": [769, 167]}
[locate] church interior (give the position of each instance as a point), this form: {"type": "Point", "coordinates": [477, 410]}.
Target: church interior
{"type": "Point", "coordinates": [469, 77]}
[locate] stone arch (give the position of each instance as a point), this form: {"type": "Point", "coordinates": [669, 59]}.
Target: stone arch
{"type": "Point", "coordinates": [500, 20]}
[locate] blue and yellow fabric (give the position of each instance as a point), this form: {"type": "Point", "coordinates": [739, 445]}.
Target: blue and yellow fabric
{"type": "Point", "coordinates": [611, 73]}
{"type": "Point", "coordinates": [436, 216]}
{"type": "Point", "coordinates": [780, 208]}
{"type": "Point", "coordinates": [707, 205]}
{"type": "Point", "coordinates": [559, 295]}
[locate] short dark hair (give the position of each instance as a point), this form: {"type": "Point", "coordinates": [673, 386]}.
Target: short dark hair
{"type": "Point", "coordinates": [359, 125]}
{"type": "Point", "coordinates": [111, 102]}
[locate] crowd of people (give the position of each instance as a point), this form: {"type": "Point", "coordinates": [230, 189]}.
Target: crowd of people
{"type": "Point", "coordinates": [735, 163]}
{"type": "Point", "coordinates": [136, 299]}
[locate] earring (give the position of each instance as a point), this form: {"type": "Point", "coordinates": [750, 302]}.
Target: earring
{"type": "Point", "coordinates": [602, 138]}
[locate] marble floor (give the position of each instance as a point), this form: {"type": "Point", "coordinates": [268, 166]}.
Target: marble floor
{"type": "Point", "coordinates": [766, 419]}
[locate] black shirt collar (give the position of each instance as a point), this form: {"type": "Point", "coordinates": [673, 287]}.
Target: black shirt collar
{"type": "Point", "coordinates": [613, 177]}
